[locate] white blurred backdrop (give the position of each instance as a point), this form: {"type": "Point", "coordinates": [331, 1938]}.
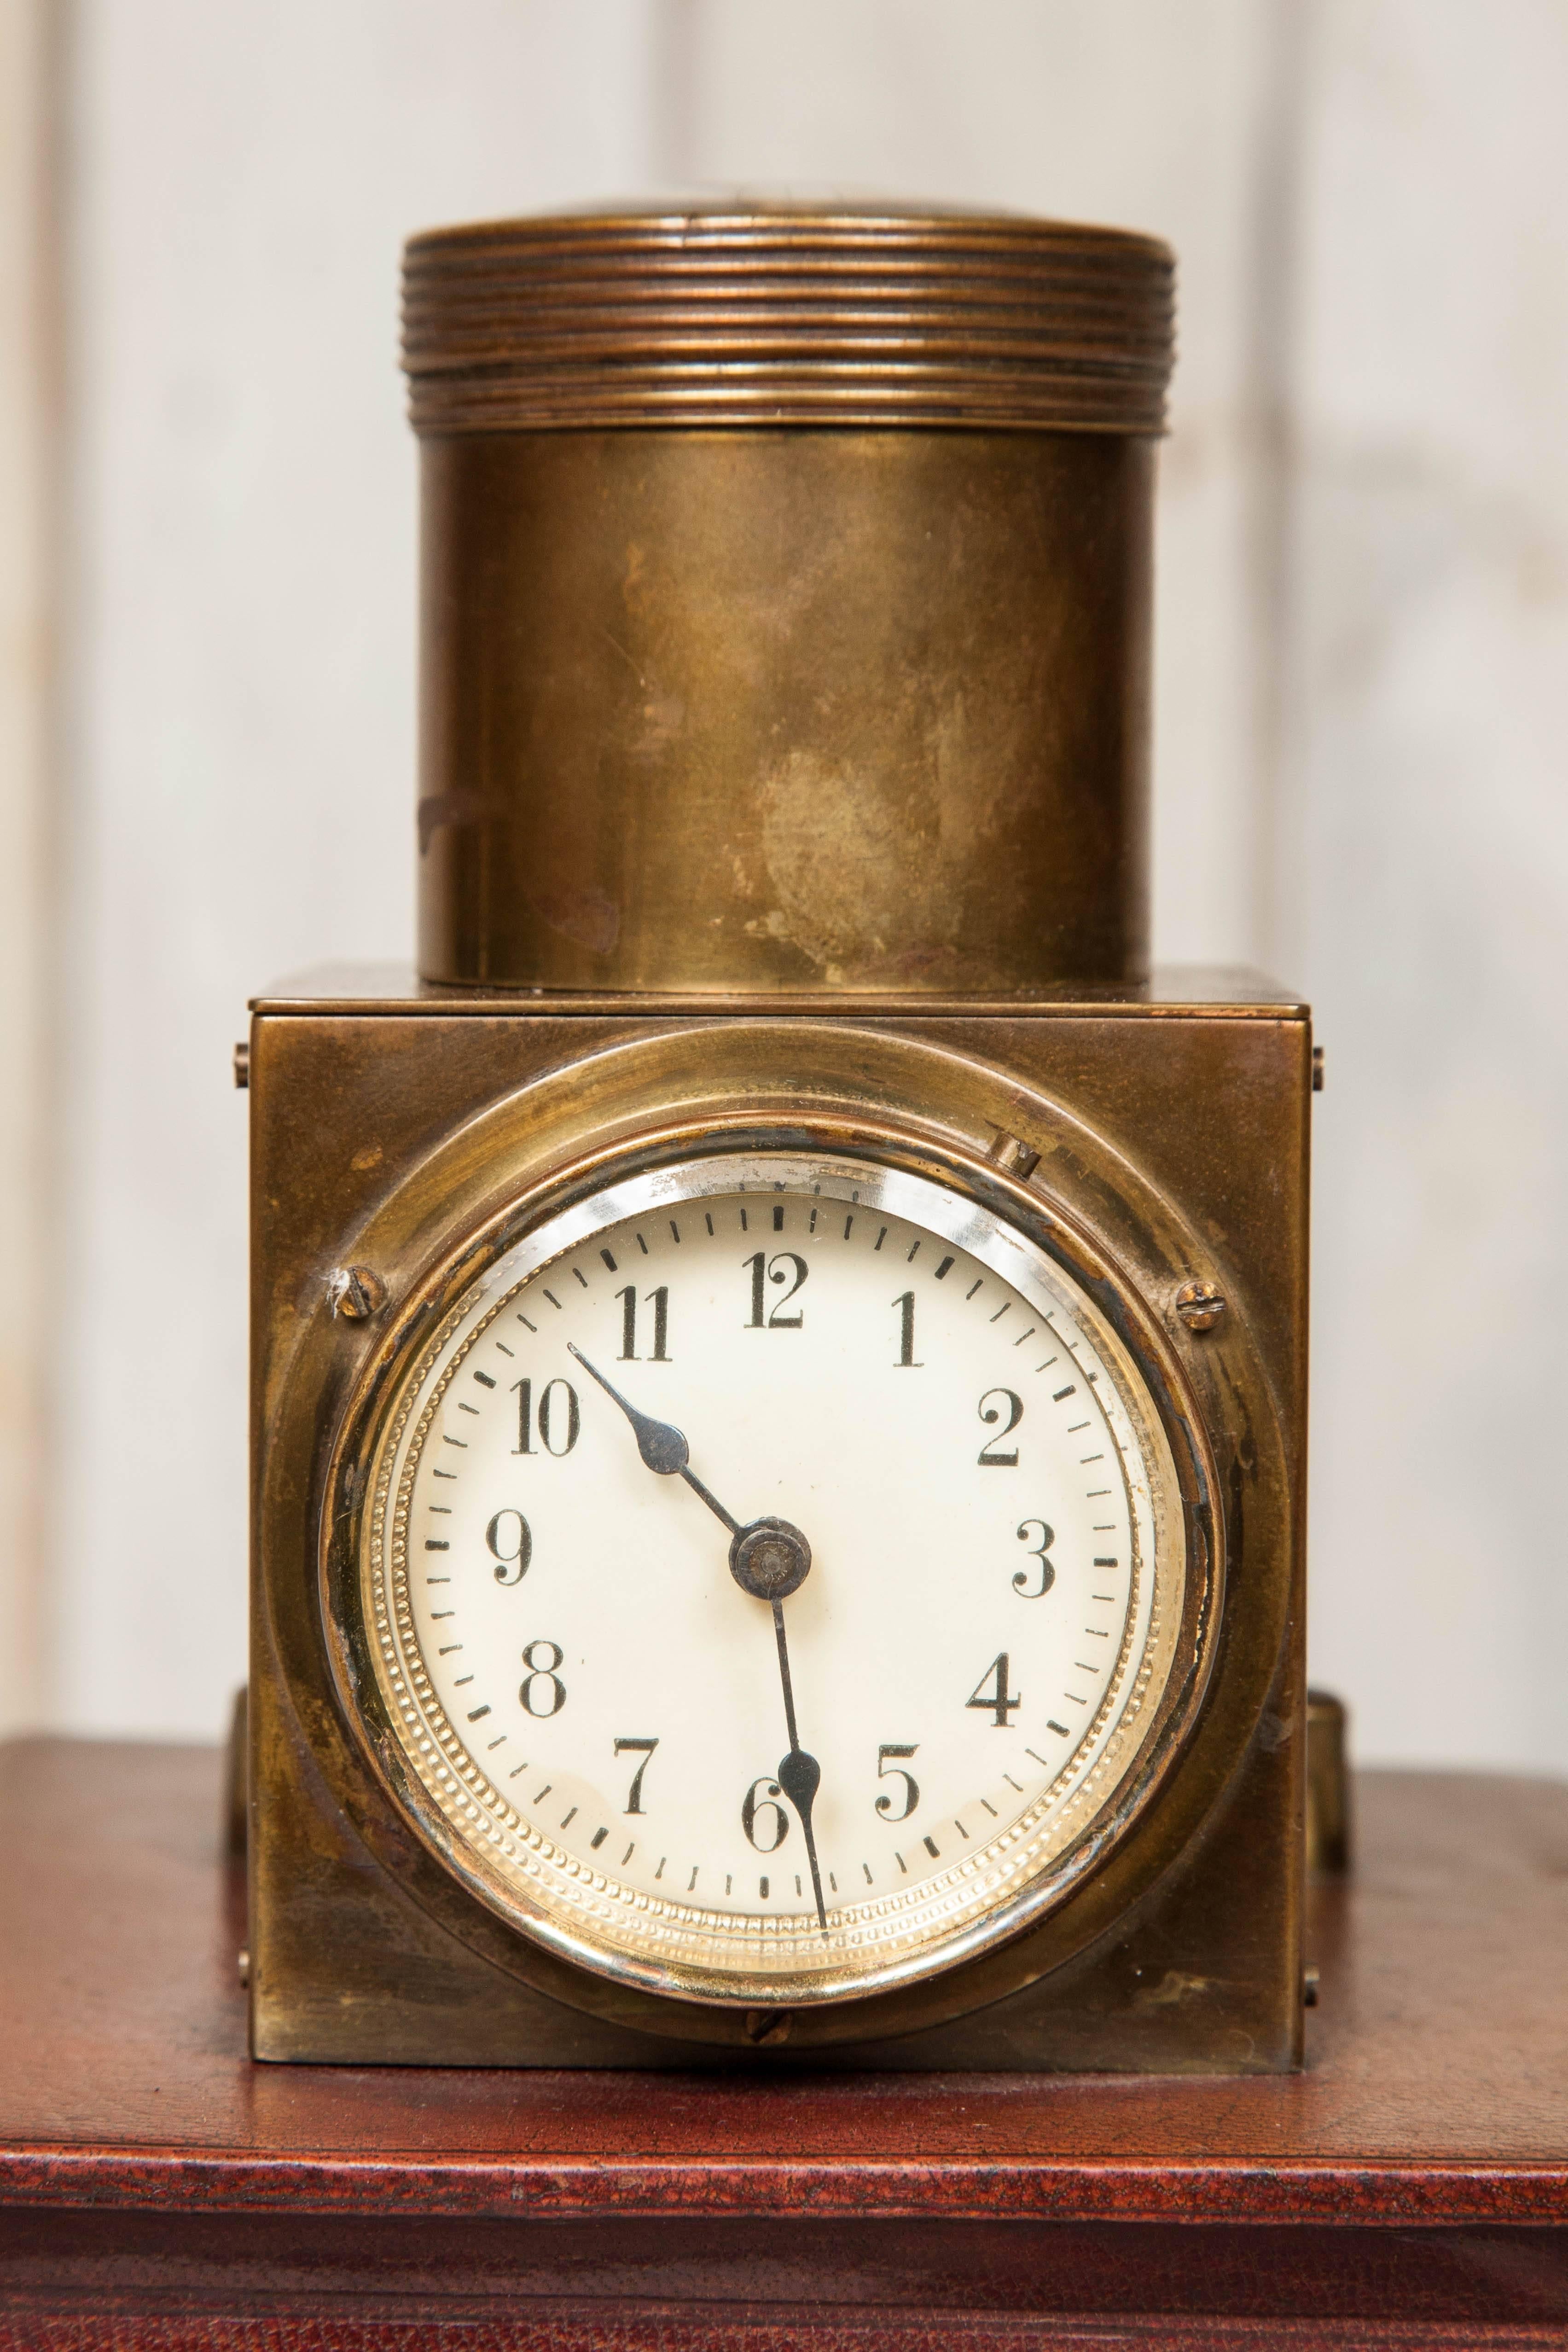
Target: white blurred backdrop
{"type": "Point", "coordinates": [1362, 641]}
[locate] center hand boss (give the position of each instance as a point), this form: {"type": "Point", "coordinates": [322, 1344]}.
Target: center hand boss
{"type": "Point", "coordinates": [768, 1558]}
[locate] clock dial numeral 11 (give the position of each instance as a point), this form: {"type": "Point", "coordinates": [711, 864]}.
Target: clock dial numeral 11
{"type": "Point", "coordinates": [659, 1301]}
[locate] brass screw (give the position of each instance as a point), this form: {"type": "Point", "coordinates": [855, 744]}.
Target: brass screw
{"type": "Point", "coordinates": [1317, 1069]}
{"type": "Point", "coordinates": [355, 1292]}
{"type": "Point", "coordinates": [242, 1065]}
{"type": "Point", "coordinates": [244, 1965]}
{"type": "Point", "coordinates": [767, 2027]}
{"type": "Point", "coordinates": [1309, 1988]}
{"type": "Point", "coordinates": [1200, 1304]}
{"type": "Point", "coordinates": [1013, 1155]}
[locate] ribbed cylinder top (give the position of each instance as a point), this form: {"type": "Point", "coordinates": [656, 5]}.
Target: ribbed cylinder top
{"type": "Point", "coordinates": [773, 315]}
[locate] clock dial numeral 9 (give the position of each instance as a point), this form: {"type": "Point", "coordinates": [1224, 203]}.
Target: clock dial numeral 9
{"type": "Point", "coordinates": [896, 1772]}
{"type": "Point", "coordinates": [510, 1541]}
{"type": "Point", "coordinates": [1037, 1550]}
{"type": "Point", "coordinates": [991, 1696]}
{"type": "Point", "coordinates": [559, 1421]}
{"type": "Point", "coordinates": [542, 1693]}
{"type": "Point", "coordinates": [634, 1801]}
{"type": "Point", "coordinates": [992, 1405]}
{"type": "Point", "coordinates": [779, 1269]}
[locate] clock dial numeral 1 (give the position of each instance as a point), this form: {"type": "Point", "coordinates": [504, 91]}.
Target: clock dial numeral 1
{"type": "Point", "coordinates": [990, 1408]}
{"type": "Point", "coordinates": [552, 1698]}
{"type": "Point", "coordinates": [511, 1540]}
{"type": "Point", "coordinates": [1037, 1550]}
{"type": "Point", "coordinates": [897, 1772]}
{"type": "Point", "coordinates": [778, 1269]}
{"type": "Point", "coordinates": [754, 1808]}
{"type": "Point", "coordinates": [634, 1801]}
{"type": "Point", "coordinates": [906, 1306]}
{"type": "Point", "coordinates": [991, 1696]}
{"type": "Point", "coordinates": [659, 1301]}
{"type": "Point", "coordinates": [559, 1421]}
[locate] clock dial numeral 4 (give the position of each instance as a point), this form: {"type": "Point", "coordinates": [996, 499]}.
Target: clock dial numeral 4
{"type": "Point", "coordinates": [992, 1695]}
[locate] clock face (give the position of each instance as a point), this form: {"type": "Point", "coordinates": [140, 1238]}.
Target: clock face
{"type": "Point", "coordinates": [774, 1568]}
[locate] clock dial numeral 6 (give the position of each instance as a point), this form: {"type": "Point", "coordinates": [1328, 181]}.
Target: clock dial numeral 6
{"type": "Point", "coordinates": [1037, 1550]}
{"type": "Point", "coordinates": [634, 1801]}
{"type": "Point", "coordinates": [780, 1268]}
{"type": "Point", "coordinates": [897, 1772]}
{"type": "Point", "coordinates": [992, 1405]}
{"type": "Point", "coordinates": [542, 1692]}
{"type": "Point", "coordinates": [755, 1811]}
{"type": "Point", "coordinates": [993, 1697]}
{"type": "Point", "coordinates": [510, 1541]}
{"type": "Point", "coordinates": [659, 1301]}
{"type": "Point", "coordinates": [560, 1418]}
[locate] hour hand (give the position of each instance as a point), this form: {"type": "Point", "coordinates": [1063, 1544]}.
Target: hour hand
{"type": "Point", "coordinates": [662, 1446]}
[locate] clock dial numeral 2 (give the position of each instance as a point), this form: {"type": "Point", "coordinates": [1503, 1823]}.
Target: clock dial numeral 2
{"type": "Point", "coordinates": [991, 1407]}
{"type": "Point", "coordinates": [510, 1541]}
{"type": "Point", "coordinates": [559, 1421]}
{"type": "Point", "coordinates": [896, 1772]}
{"type": "Point", "coordinates": [1037, 1550]}
{"type": "Point", "coordinates": [991, 1696]}
{"type": "Point", "coordinates": [634, 1801]}
{"type": "Point", "coordinates": [542, 1692]}
{"type": "Point", "coordinates": [659, 1301]}
{"type": "Point", "coordinates": [779, 1269]}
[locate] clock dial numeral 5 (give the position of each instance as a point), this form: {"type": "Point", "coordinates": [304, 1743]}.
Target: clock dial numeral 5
{"type": "Point", "coordinates": [885, 1771]}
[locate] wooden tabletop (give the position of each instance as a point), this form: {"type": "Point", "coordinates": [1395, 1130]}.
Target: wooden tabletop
{"type": "Point", "coordinates": [1435, 2096]}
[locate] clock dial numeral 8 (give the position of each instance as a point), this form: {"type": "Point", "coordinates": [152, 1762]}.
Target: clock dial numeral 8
{"type": "Point", "coordinates": [552, 1698]}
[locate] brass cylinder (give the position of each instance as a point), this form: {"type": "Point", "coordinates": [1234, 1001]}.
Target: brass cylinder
{"type": "Point", "coordinates": [785, 602]}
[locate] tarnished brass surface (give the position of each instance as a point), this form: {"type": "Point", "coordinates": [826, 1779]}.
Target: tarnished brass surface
{"type": "Point", "coordinates": [1327, 1785]}
{"type": "Point", "coordinates": [796, 711]}
{"type": "Point", "coordinates": [1175, 1137]}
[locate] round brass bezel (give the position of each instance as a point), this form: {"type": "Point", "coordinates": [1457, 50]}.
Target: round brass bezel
{"type": "Point", "coordinates": [796, 1085]}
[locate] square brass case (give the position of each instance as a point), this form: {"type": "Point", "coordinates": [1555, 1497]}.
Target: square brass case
{"type": "Point", "coordinates": [1182, 1953]}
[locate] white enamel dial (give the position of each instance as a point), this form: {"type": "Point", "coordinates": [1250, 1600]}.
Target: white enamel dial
{"type": "Point", "coordinates": [592, 1701]}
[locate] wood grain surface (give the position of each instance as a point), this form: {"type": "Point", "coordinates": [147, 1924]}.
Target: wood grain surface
{"type": "Point", "coordinates": [157, 2188]}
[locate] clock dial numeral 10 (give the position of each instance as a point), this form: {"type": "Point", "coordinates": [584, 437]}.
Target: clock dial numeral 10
{"type": "Point", "coordinates": [510, 1541]}
{"type": "Point", "coordinates": [559, 1421]}
{"type": "Point", "coordinates": [779, 1268]}
{"type": "Point", "coordinates": [991, 1696]}
{"type": "Point", "coordinates": [542, 1693]}
{"type": "Point", "coordinates": [1037, 1550]}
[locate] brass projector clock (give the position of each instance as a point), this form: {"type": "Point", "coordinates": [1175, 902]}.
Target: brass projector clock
{"type": "Point", "coordinates": [778, 1359]}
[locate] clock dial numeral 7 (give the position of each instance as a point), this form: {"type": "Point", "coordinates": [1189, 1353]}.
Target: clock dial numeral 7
{"type": "Point", "coordinates": [634, 1801]}
{"type": "Point", "coordinates": [510, 1541]}
{"type": "Point", "coordinates": [778, 1269]}
{"type": "Point", "coordinates": [911, 1791]}
{"type": "Point", "coordinates": [992, 1405]}
{"type": "Point", "coordinates": [1037, 1550]}
{"type": "Point", "coordinates": [659, 1301]}
{"type": "Point", "coordinates": [559, 1421]}
{"type": "Point", "coordinates": [991, 1696]}
{"type": "Point", "coordinates": [542, 1693]}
